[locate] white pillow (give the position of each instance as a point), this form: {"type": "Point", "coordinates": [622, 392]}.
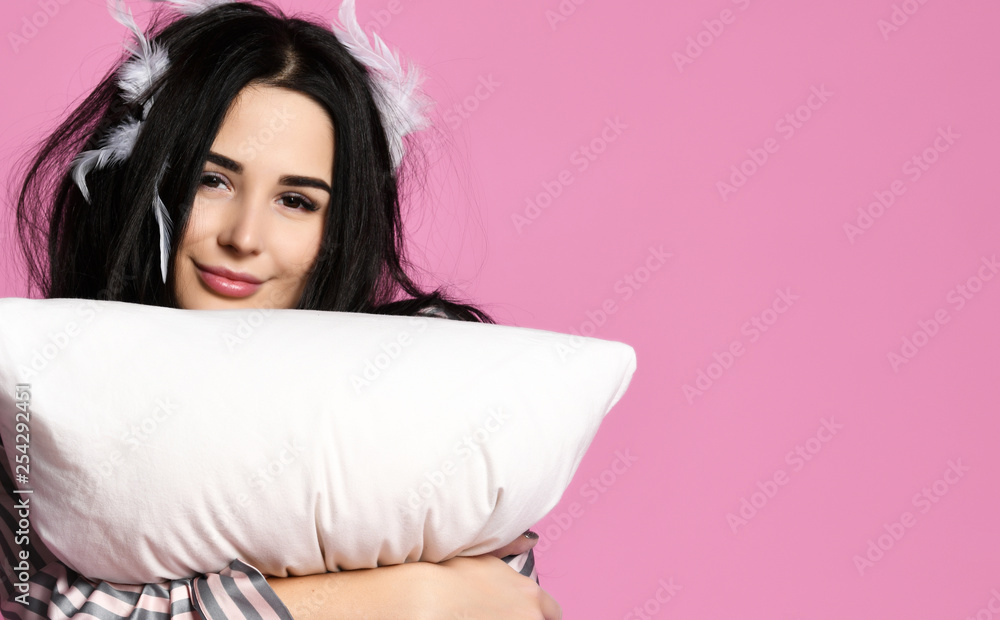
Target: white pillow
{"type": "Point", "coordinates": [167, 442]}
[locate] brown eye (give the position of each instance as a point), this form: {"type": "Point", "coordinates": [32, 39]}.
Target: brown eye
{"type": "Point", "coordinates": [209, 179]}
{"type": "Point", "coordinates": [300, 201]}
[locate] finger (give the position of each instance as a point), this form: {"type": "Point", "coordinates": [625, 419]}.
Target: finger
{"type": "Point", "coordinates": [523, 543]}
{"type": "Point", "coordinates": [550, 608]}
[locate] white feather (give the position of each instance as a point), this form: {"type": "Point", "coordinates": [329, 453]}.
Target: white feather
{"type": "Point", "coordinates": [138, 74]}
{"type": "Point", "coordinates": [121, 139]}
{"type": "Point", "coordinates": [194, 7]}
{"type": "Point", "coordinates": [148, 63]}
{"type": "Point", "coordinates": [82, 164]}
{"type": "Point", "coordinates": [400, 101]}
{"type": "Point", "coordinates": [123, 15]}
{"type": "Point", "coordinates": [115, 147]}
{"type": "Point", "coordinates": [135, 77]}
{"type": "Point", "coordinates": [164, 223]}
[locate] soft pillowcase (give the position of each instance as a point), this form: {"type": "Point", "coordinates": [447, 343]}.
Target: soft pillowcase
{"type": "Point", "coordinates": [166, 442]}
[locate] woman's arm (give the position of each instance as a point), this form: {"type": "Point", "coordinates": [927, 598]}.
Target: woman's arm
{"type": "Point", "coordinates": [464, 587]}
{"type": "Point", "coordinates": [406, 590]}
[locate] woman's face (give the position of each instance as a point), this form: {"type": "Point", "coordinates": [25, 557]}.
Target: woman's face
{"type": "Point", "coordinates": [257, 220]}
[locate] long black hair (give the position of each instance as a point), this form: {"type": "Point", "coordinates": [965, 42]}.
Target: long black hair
{"type": "Point", "coordinates": [108, 248]}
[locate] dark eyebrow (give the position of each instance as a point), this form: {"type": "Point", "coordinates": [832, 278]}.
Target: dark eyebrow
{"type": "Point", "coordinates": [297, 181]}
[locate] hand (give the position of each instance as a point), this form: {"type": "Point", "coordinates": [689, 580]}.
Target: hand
{"type": "Point", "coordinates": [486, 588]}
{"type": "Point", "coordinates": [481, 587]}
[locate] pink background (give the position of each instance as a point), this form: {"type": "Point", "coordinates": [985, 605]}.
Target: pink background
{"type": "Point", "coordinates": [622, 533]}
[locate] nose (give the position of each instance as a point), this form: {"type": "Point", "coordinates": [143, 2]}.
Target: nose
{"type": "Point", "coordinates": [243, 228]}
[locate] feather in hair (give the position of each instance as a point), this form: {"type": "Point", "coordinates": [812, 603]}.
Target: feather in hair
{"type": "Point", "coordinates": [164, 224]}
{"type": "Point", "coordinates": [135, 77]}
{"type": "Point", "coordinates": [149, 61]}
{"type": "Point", "coordinates": [399, 100]}
{"type": "Point", "coordinates": [138, 74]}
{"type": "Point", "coordinates": [115, 147]}
{"type": "Point", "coordinates": [194, 7]}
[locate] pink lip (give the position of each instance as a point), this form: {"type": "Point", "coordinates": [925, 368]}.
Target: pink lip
{"type": "Point", "coordinates": [228, 283]}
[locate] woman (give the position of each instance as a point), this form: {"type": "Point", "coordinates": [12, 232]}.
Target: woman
{"type": "Point", "coordinates": [270, 154]}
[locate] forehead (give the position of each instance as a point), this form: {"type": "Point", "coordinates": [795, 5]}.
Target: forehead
{"type": "Point", "coordinates": [267, 127]}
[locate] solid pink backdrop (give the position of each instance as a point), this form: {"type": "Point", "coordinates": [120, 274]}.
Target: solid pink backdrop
{"type": "Point", "coordinates": [787, 209]}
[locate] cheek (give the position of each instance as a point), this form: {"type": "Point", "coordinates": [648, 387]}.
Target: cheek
{"type": "Point", "coordinates": [299, 251]}
{"type": "Point", "coordinates": [199, 225]}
